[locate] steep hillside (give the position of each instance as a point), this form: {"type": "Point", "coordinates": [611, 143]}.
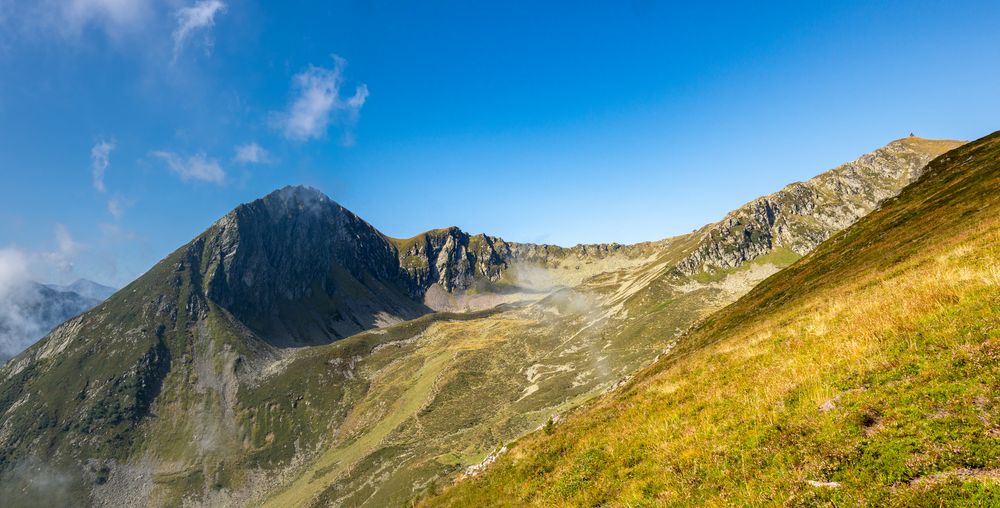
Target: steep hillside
{"type": "Point", "coordinates": [864, 374]}
{"type": "Point", "coordinates": [290, 355]}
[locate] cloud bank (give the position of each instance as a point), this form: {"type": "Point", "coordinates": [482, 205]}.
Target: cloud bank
{"type": "Point", "coordinates": [196, 167]}
{"type": "Point", "coordinates": [25, 314]}
{"type": "Point", "coordinates": [318, 103]}
{"type": "Point", "coordinates": [18, 328]}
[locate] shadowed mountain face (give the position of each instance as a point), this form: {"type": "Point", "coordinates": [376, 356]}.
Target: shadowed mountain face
{"type": "Point", "coordinates": [292, 354]}
{"type": "Point", "coordinates": [299, 269]}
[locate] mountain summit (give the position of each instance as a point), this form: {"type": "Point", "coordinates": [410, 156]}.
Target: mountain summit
{"type": "Point", "coordinates": [298, 268]}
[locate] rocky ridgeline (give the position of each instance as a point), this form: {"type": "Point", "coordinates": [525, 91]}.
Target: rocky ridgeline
{"type": "Point", "coordinates": [455, 259]}
{"type": "Point", "coordinates": [804, 214]}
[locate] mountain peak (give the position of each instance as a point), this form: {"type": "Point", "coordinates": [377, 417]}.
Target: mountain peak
{"type": "Point", "coordinates": [294, 198]}
{"type": "Point", "coordinates": [299, 193]}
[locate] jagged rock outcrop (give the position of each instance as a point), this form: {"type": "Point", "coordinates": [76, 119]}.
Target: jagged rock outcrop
{"type": "Point", "coordinates": [455, 260]}
{"type": "Point", "coordinates": [452, 258]}
{"type": "Point", "coordinates": [804, 214]}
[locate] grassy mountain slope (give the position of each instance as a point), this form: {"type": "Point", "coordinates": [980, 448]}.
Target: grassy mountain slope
{"type": "Point", "coordinates": [866, 373]}
{"type": "Point", "coordinates": [266, 361]}
{"type": "Point", "coordinates": [508, 372]}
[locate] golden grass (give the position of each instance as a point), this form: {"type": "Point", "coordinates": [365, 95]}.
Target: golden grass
{"type": "Point", "coordinates": [866, 369]}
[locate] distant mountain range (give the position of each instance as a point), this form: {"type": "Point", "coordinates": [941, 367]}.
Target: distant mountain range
{"type": "Point", "coordinates": [29, 310]}
{"type": "Point", "coordinates": [85, 288]}
{"type": "Point", "coordinates": [293, 355]}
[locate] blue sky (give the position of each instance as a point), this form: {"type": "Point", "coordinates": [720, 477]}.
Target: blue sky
{"type": "Point", "coordinates": [127, 127]}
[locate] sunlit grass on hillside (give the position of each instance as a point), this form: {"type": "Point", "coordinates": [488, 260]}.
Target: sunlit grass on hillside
{"type": "Point", "coordinates": [867, 373]}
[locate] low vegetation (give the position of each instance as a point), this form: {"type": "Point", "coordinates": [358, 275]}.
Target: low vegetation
{"type": "Point", "coordinates": [865, 374]}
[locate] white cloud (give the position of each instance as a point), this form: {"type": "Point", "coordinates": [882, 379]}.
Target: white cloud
{"type": "Point", "coordinates": [100, 159]}
{"type": "Point", "coordinates": [21, 321]}
{"type": "Point", "coordinates": [317, 103]}
{"type": "Point", "coordinates": [67, 248]}
{"type": "Point", "coordinates": [199, 17]}
{"type": "Point", "coordinates": [18, 327]}
{"type": "Point", "coordinates": [252, 153]}
{"type": "Point", "coordinates": [13, 269]}
{"type": "Point", "coordinates": [195, 167]}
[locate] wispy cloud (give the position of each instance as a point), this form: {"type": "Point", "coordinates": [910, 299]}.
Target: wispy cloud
{"type": "Point", "coordinates": [196, 167]}
{"type": "Point", "coordinates": [100, 159]}
{"type": "Point", "coordinates": [116, 207]}
{"type": "Point", "coordinates": [70, 17]}
{"type": "Point", "coordinates": [251, 153]}
{"type": "Point", "coordinates": [67, 248]}
{"type": "Point", "coordinates": [318, 103]}
{"type": "Point", "coordinates": [114, 13]}
{"type": "Point", "coordinates": [197, 18]}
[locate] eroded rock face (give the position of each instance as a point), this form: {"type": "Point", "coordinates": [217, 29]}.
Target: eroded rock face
{"type": "Point", "coordinates": [456, 260]}
{"type": "Point", "coordinates": [452, 258]}
{"type": "Point", "coordinates": [804, 214]}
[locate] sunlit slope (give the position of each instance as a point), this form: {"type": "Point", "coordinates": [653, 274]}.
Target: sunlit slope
{"type": "Point", "coordinates": [508, 371]}
{"type": "Point", "coordinates": [866, 373]}
{"type": "Point", "coordinates": [443, 391]}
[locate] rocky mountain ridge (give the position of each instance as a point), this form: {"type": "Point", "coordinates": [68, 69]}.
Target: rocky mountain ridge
{"type": "Point", "coordinates": [804, 214]}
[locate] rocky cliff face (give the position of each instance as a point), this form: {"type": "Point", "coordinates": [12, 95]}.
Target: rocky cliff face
{"type": "Point", "coordinates": [804, 214]}
{"type": "Point", "coordinates": [452, 258]}
{"type": "Point", "coordinates": [456, 260]}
